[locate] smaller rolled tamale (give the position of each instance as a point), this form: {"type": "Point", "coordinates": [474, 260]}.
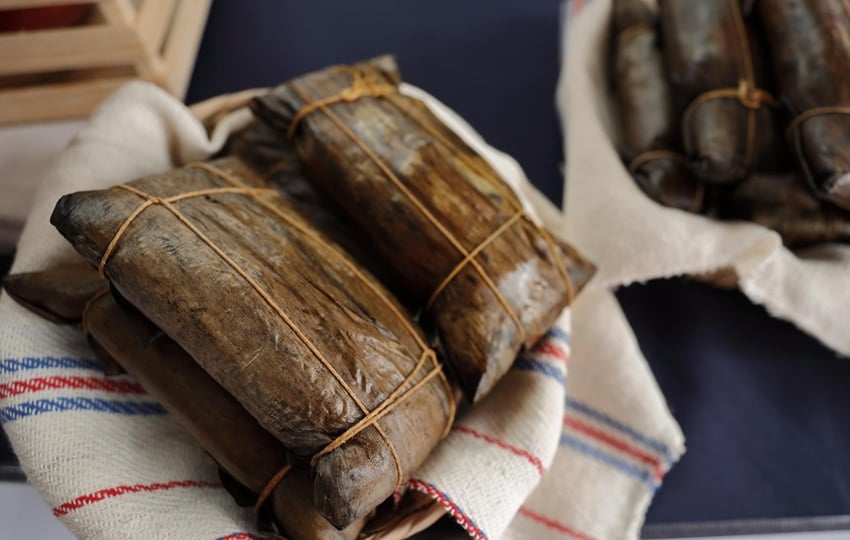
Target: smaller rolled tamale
{"type": "Point", "coordinates": [784, 203]}
{"type": "Point", "coordinates": [809, 42]}
{"type": "Point", "coordinates": [650, 143]}
{"type": "Point", "coordinates": [487, 278]}
{"type": "Point", "coordinates": [713, 58]}
{"type": "Point", "coordinates": [59, 296]}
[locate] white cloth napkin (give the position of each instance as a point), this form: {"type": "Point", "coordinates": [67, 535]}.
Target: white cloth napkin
{"type": "Point", "coordinates": [112, 464]}
{"type": "Point", "coordinates": [632, 238]}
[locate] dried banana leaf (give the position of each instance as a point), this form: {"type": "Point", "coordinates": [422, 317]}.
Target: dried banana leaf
{"type": "Point", "coordinates": [714, 63]}
{"type": "Point", "coordinates": [785, 205]}
{"type": "Point", "coordinates": [810, 45]}
{"type": "Point", "coordinates": [277, 315]}
{"type": "Point", "coordinates": [58, 296]}
{"type": "Point", "coordinates": [650, 144]}
{"type": "Point", "coordinates": [429, 201]}
{"type": "Point", "coordinates": [214, 418]}
{"type": "Point", "coordinates": [278, 164]}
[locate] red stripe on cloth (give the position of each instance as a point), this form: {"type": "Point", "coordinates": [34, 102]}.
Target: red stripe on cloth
{"type": "Point", "coordinates": [39, 384]}
{"type": "Point", "coordinates": [552, 350]}
{"type": "Point", "coordinates": [453, 509]}
{"type": "Point", "coordinates": [117, 491]}
{"type": "Point", "coordinates": [625, 448]}
{"type": "Point", "coordinates": [552, 524]}
{"type": "Point", "coordinates": [531, 458]}
{"type": "Point", "coordinates": [577, 5]}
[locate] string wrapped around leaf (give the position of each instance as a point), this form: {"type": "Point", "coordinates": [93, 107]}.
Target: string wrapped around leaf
{"type": "Point", "coordinates": [650, 130]}
{"type": "Point", "coordinates": [810, 44]}
{"type": "Point", "coordinates": [714, 63]}
{"type": "Point", "coordinates": [121, 335]}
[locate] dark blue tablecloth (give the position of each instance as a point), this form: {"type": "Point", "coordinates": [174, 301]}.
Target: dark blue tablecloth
{"type": "Point", "coordinates": [764, 407]}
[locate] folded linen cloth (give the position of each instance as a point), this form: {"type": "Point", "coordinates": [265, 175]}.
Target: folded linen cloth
{"type": "Point", "coordinates": [113, 464]}
{"type": "Point", "coordinates": [632, 238]}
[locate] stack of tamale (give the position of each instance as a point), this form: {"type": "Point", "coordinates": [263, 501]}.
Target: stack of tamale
{"type": "Point", "coordinates": [257, 295]}
{"type": "Point", "coordinates": [701, 128]}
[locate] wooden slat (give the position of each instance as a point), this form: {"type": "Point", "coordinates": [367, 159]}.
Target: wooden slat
{"type": "Point", "coordinates": [16, 4]}
{"type": "Point", "coordinates": [118, 12]}
{"type": "Point", "coordinates": [152, 22]}
{"type": "Point", "coordinates": [181, 45]}
{"type": "Point", "coordinates": [55, 101]}
{"type": "Point", "coordinates": [70, 48]}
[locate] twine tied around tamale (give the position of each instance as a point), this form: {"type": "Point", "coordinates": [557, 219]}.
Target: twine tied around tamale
{"type": "Point", "coordinates": [748, 94]}
{"type": "Point", "coordinates": [360, 86]}
{"type": "Point", "coordinates": [87, 307]}
{"type": "Point", "coordinates": [792, 132]}
{"type": "Point", "coordinates": [668, 155]}
{"type": "Point", "coordinates": [396, 397]}
{"type": "Point", "coordinates": [366, 86]}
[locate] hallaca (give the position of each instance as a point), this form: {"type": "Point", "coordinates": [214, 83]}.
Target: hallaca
{"type": "Point", "coordinates": [715, 67]}
{"type": "Point", "coordinates": [810, 44]}
{"type": "Point", "coordinates": [487, 279]}
{"type": "Point", "coordinates": [650, 143]}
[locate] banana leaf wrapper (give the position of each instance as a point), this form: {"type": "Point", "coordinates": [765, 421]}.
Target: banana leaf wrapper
{"type": "Point", "coordinates": [810, 46]}
{"type": "Point", "coordinates": [307, 341]}
{"type": "Point", "coordinates": [259, 145]}
{"type": "Point", "coordinates": [786, 205]}
{"type": "Point", "coordinates": [234, 439]}
{"type": "Point", "coordinates": [59, 297]}
{"type": "Point", "coordinates": [487, 279]}
{"type": "Point", "coordinates": [713, 58]}
{"type": "Point", "coordinates": [650, 144]}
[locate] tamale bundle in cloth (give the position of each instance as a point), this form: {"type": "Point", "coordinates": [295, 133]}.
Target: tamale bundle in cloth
{"type": "Point", "coordinates": [217, 421]}
{"type": "Point", "coordinates": [259, 145]}
{"type": "Point", "coordinates": [488, 278]}
{"type": "Point", "coordinates": [715, 68]}
{"type": "Point", "coordinates": [809, 41]}
{"type": "Point", "coordinates": [650, 141]}
{"type": "Point", "coordinates": [310, 344]}
{"type": "Point", "coordinates": [784, 204]}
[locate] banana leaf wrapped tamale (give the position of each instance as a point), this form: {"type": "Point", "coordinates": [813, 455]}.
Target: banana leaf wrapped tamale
{"type": "Point", "coordinates": [259, 145]}
{"type": "Point", "coordinates": [714, 64]}
{"type": "Point", "coordinates": [221, 425]}
{"type": "Point", "coordinates": [650, 144]}
{"type": "Point", "coordinates": [809, 42]}
{"type": "Point", "coordinates": [310, 344]}
{"type": "Point", "coordinates": [488, 278]}
{"type": "Point", "coordinates": [784, 204]}
{"type": "Point", "coordinates": [213, 417]}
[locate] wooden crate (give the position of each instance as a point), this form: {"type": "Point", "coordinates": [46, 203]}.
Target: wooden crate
{"type": "Point", "coordinates": [65, 72]}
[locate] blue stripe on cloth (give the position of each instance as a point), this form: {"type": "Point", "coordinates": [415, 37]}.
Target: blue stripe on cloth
{"type": "Point", "coordinates": [557, 333]}
{"type": "Point", "coordinates": [612, 461]}
{"type": "Point", "coordinates": [41, 406]}
{"type": "Point", "coordinates": [632, 433]}
{"type": "Point", "coordinates": [11, 365]}
{"type": "Point", "coordinates": [524, 363]}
